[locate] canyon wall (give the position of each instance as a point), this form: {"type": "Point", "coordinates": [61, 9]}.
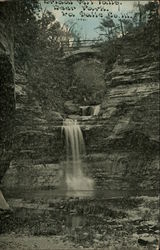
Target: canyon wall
{"type": "Point", "coordinates": [122, 142]}
{"type": "Point", "coordinates": [37, 141]}
{"type": "Point", "coordinates": [7, 96]}
{"type": "Point", "coordinates": [124, 147]}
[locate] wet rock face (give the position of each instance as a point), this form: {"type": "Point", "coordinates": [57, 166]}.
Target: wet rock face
{"type": "Point", "coordinates": [128, 121]}
{"type": "Point", "coordinates": [34, 176]}
{"type": "Point", "coordinates": [121, 170]}
{"type": "Point", "coordinates": [7, 100]}
{"type": "Point", "coordinates": [37, 144]}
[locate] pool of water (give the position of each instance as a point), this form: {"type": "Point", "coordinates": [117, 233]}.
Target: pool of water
{"type": "Point", "coordinates": [63, 193]}
{"type": "Point", "coordinates": [93, 219]}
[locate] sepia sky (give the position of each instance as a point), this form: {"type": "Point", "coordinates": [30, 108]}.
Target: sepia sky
{"type": "Point", "coordinates": [87, 26]}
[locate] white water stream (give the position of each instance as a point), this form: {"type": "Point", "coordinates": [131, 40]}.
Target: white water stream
{"type": "Point", "coordinates": [76, 180]}
{"type": "Point", "coordinates": [90, 110]}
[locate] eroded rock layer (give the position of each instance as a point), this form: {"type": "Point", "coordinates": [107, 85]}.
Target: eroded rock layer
{"type": "Point", "coordinates": [128, 135]}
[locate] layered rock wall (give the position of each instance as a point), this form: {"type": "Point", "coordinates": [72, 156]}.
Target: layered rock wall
{"type": "Point", "coordinates": [38, 145]}
{"type": "Point", "coordinates": [128, 131]}
{"type": "Point", "coordinates": [7, 97]}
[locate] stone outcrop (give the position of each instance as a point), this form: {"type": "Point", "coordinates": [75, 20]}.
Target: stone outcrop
{"type": "Point", "coordinates": [71, 108]}
{"type": "Point", "coordinates": [35, 176]}
{"type": "Point", "coordinates": [128, 131]}
{"type": "Point", "coordinates": [7, 100]}
{"type": "Point", "coordinates": [37, 142]}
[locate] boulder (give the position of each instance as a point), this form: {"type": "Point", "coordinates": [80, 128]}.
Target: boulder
{"type": "Point", "coordinates": [146, 239]}
{"type": "Point", "coordinates": [54, 116]}
{"type": "Point", "coordinates": [71, 108]}
{"type": "Point", "coordinates": [3, 204]}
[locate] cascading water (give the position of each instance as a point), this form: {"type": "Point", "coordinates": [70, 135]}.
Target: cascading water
{"type": "Point", "coordinates": [90, 110]}
{"type": "Point", "coordinates": [75, 147]}
{"type": "Point", "coordinates": [96, 110]}
{"type": "Point", "coordinates": [85, 110]}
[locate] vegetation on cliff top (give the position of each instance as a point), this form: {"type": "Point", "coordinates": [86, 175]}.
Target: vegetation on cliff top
{"type": "Point", "coordinates": [39, 49]}
{"type": "Point", "coordinates": [144, 24]}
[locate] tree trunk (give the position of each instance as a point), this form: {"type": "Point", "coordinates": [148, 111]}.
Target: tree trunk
{"type": "Point", "coordinates": [121, 24]}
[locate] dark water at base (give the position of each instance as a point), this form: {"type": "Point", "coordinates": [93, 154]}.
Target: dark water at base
{"type": "Point", "coordinates": [93, 219]}
{"type": "Point", "coordinates": [61, 193]}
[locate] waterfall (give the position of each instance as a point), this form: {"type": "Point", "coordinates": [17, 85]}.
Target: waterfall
{"type": "Point", "coordinates": [75, 148]}
{"type": "Point", "coordinates": [90, 110]}
{"type": "Point", "coordinates": [85, 110]}
{"type": "Point", "coordinates": [96, 110]}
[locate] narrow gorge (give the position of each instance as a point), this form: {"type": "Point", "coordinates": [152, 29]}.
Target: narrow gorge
{"type": "Point", "coordinates": [79, 142]}
{"type": "Point", "coordinates": [120, 130]}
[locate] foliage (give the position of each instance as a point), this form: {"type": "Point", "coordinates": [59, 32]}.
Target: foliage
{"type": "Point", "coordinates": [145, 15]}
{"type": "Point", "coordinates": [38, 51]}
{"type": "Point", "coordinates": [106, 26]}
{"type": "Point", "coordinates": [25, 29]}
{"type": "Point", "coordinates": [153, 9]}
{"type": "Point", "coordinates": [147, 25]}
{"type": "Point", "coordinates": [47, 72]}
{"type": "Point", "coordinates": [82, 92]}
{"type": "Point", "coordinates": [73, 32]}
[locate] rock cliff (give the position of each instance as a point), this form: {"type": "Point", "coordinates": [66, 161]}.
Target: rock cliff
{"type": "Point", "coordinates": [128, 135]}
{"type": "Point", "coordinates": [122, 142]}
{"type": "Point", "coordinates": [7, 97]}
{"type": "Point", "coordinates": [37, 141]}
